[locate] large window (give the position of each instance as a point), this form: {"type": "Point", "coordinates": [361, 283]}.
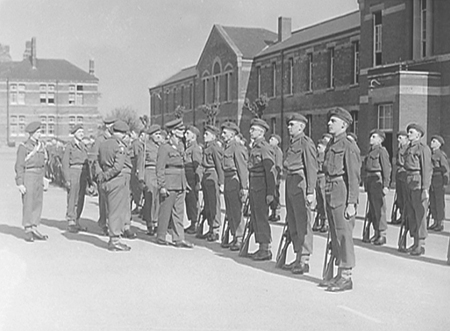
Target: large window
{"type": "Point", "coordinates": [205, 90]}
{"type": "Point", "coordinates": [13, 126]}
{"type": "Point", "coordinates": [228, 86]}
{"type": "Point", "coordinates": [385, 117]}
{"type": "Point", "coordinates": [309, 77]}
{"type": "Point", "coordinates": [51, 125]}
{"type": "Point", "coordinates": [331, 68]}
{"type": "Point", "coordinates": [21, 125]}
{"type": "Point", "coordinates": [273, 80]}
{"type": "Point", "coordinates": [79, 97]}
{"type": "Point", "coordinates": [47, 94]}
{"type": "Point", "coordinates": [182, 96]}
{"type": "Point", "coordinates": [273, 125]}
{"type": "Point", "coordinates": [354, 127]}
{"type": "Point", "coordinates": [423, 27]}
{"type": "Point", "coordinates": [258, 81]}
{"type": "Point", "coordinates": [191, 96]}
{"type": "Point", "coordinates": [377, 38]}
{"type": "Point", "coordinates": [71, 122]}
{"type": "Point", "coordinates": [71, 94]}
{"type": "Point", "coordinates": [44, 124]}
{"type": "Point", "coordinates": [290, 76]}
{"type": "Point", "coordinates": [13, 94]}
{"type": "Point", "coordinates": [355, 67]}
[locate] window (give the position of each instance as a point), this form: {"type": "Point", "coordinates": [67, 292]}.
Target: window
{"type": "Point", "coordinates": [79, 119]}
{"type": "Point", "coordinates": [79, 95]}
{"type": "Point", "coordinates": [385, 117]}
{"type": "Point", "coordinates": [227, 86]}
{"type": "Point", "coordinates": [258, 81]}
{"type": "Point", "coordinates": [273, 80]}
{"type": "Point", "coordinates": [13, 126]}
{"type": "Point", "coordinates": [71, 122]}
{"type": "Point", "coordinates": [309, 78]}
{"type": "Point", "coordinates": [331, 68]}
{"type": "Point", "coordinates": [71, 94]}
{"type": "Point", "coordinates": [354, 127]}
{"type": "Point", "coordinates": [44, 125]}
{"type": "Point", "coordinates": [205, 90]}
{"type": "Point", "coordinates": [50, 129]}
{"type": "Point", "coordinates": [377, 38]}
{"type": "Point", "coordinates": [182, 96]}
{"type": "Point", "coordinates": [290, 81]}
{"type": "Point", "coordinates": [51, 94]}
{"type": "Point", "coordinates": [43, 94]}
{"type": "Point", "coordinates": [174, 98]}
{"type": "Point", "coordinates": [21, 94]}
{"type": "Point", "coordinates": [216, 89]}
{"type": "Point", "coordinates": [273, 125]}
{"type": "Point", "coordinates": [13, 94]}
{"type": "Point", "coordinates": [21, 125]}
{"type": "Point", "coordinates": [355, 67]}
{"type": "Point", "coordinates": [423, 27]}
{"type": "Point", "coordinates": [191, 96]}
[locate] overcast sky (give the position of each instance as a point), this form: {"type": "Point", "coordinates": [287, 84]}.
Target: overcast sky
{"type": "Point", "coordinates": [138, 43]}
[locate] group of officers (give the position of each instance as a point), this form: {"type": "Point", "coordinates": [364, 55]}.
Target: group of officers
{"type": "Point", "coordinates": [167, 168]}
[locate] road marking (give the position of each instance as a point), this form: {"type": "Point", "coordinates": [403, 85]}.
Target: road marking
{"type": "Point", "coordinates": [361, 314]}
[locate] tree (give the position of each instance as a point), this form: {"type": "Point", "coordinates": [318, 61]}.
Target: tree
{"type": "Point", "coordinates": [129, 116]}
{"type": "Point", "coordinates": [179, 112]}
{"type": "Point", "coordinates": [211, 111]}
{"type": "Point", "coordinates": [257, 107]}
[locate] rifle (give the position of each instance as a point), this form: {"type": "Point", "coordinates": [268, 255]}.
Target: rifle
{"type": "Point", "coordinates": [428, 216]}
{"type": "Point", "coordinates": [225, 239]}
{"type": "Point", "coordinates": [248, 230]}
{"type": "Point", "coordinates": [402, 235]}
{"type": "Point", "coordinates": [329, 261]}
{"type": "Point", "coordinates": [201, 221]}
{"type": "Point", "coordinates": [366, 226]}
{"type": "Point", "coordinates": [395, 210]}
{"type": "Point", "coordinates": [285, 241]}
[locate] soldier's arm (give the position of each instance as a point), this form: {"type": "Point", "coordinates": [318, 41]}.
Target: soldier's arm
{"type": "Point", "coordinates": [269, 170]}
{"type": "Point", "coordinates": [20, 164]}
{"type": "Point", "coordinates": [161, 166]}
{"type": "Point", "coordinates": [310, 162]}
{"type": "Point", "coordinates": [446, 168]}
{"type": "Point", "coordinates": [385, 167]}
{"type": "Point", "coordinates": [66, 162]}
{"type": "Point", "coordinates": [426, 167]}
{"type": "Point", "coordinates": [140, 163]}
{"type": "Point", "coordinates": [197, 160]}
{"type": "Point", "coordinates": [119, 161]}
{"type": "Point", "coordinates": [93, 153]}
{"type": "Point", "coordinates": [352, 169]}
{"type": "Point", "coordinates": [218, 159]}
{"type": "Point", "coordinates": [241, 166]}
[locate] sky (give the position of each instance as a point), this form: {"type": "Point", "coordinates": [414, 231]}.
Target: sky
{"type": "Point", "coordinates": [136, 44]}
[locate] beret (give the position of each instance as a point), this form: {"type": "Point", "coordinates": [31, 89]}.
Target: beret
{"type": "Point", "coordinates": [259, 122]}
{"type": "Point", "coordinates": [76, 128]}
{"type": "Point", "coordinates": [378, 132]}
{"type": "Point", "coordinates": [213, 129]}
{"type": "Point", "coordinates": [341, 113]}
{"type": "Point", "coordinates": [109, 120]}
{"type": "Point", "coordinates": [121, 126]}
{"type": "Point", "coordinates": [153, 129]}
{"type": "Point", "coordinates": [175, 124]}
{"type": "Point", "coordinates": [231, 126]}
{"type": "Point", "coordinates": [416, 127]}
{"type": "Point", "coordinates": [277, 137]}
{"type": "Point", "coordinates": [353, 136]}
{"type": "Point", "coordinates": [438, 138]}
{"type": "Point", "coordinates": [33, 127]}
{"type": "Point", "coordinates": [297, 117]}
{"type": "Point", "coordinates": [402, 133]}
{"type": "Point", "coordinates": [194, 130]}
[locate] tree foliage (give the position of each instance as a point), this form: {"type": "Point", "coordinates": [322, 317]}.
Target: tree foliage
{"type": "Point", "coordinates": [257, 107]}
{"type": "Point", "coordinates": [211, 111]}
{"type": "Point", "coordinates": [179, 112]}
{"type": "Point", "coordinates": [129, 116]}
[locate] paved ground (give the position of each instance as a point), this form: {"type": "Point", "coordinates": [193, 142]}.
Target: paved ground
{"type": "Point", "coordinates": [72, 282]}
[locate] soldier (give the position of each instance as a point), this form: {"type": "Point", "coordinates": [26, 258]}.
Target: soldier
{"type": "Point", "coordinates": [236, 183]}
{"type": "Point", "coordinates": [212, 180]}
{"type": "Point", "coordinates": [29, 167]}
{"type": "Point", "coordinates": [127, 170]}
{"type": "Point", "coordinates": [378, 176]}
{"type": "Point", "coordinates": [327, 137]}
{"type": "Point", "coordinates": [262, 174]}
{"type": "Point", "coordinates": [418, 180]}
{"type": "Point", "coordinates": [137, 148]}
{"type": "Point", "coordinates": [300, 164]}
{"type": "Point", "coordinates": [147, 176]}
{"type": "Point", "coordinates": [400, 176]}
{"type": "Point", "coordinates": [321, 221]}
{"type": "Point", "coordinates": [193, 169]}
{"type": "Point", "coordinates": [438, 181]}
{"type": "Point", "coordinates": [93, 158]}
{"type": "Point", "coordinates": [274, 141]}
{"type": "Point", "coordinates": [76, 173]}
{"type": "Point", "coordinates": [113, 182]}
{"type": "Point", "coordinates": [342, 171]}
{"type": "Point", "coordinates": [172, 186]}
{"type": "Point", "coordinates": [353, 137]}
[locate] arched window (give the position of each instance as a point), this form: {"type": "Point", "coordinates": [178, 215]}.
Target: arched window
{"type": "Point", "coordinates": [216, 82]}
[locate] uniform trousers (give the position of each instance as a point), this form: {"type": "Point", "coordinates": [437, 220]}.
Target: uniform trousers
{"type": "Point", "coordinates": [151, 194]}
{"type": "Point", "coordinates": [341, 228]}
{"type": "Point", "coordinates": [276, 199]}
{"type": "Point", "coordinates": [259, 209]}
{"type": "Point", "coordinates": [76, 193]}
{"type": "Point", "coordinates": [437, 197]}
{"type": "Point", "coordinates": [233, 204]}
{"type": "Point", "coordinates": [211, 198]}
{"type": "Point", "coordinates": [171, 212]}
{"type": "Point", "coordinates": [320, 197]}
{"type": "Point", "coordinates": [400, 190]}
{"type": "Point", "coordinates": [117, 204]}
{"type": "Point", "coordinates": [377, 202]}
{"type": "Point", "coordinates": [33, 197]}
{"type": "Point", "coordinates": [416, 207]}
{"type": "Point", "coordinates": [127, 221]}
{"type": "Point", "coordinates": [136, 191]}
{"type": "Point", "coordinates": [191, 197]}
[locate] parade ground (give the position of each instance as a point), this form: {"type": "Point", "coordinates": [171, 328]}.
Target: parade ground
{"type": "Point", "coordinates": [72, 281]}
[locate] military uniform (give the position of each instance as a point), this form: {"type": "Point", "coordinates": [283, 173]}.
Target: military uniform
{"type": "Point", "coordinates": [127, 171]}
{"type": "Point", "coordinates": [275, 206]}
{"type": "Point", "coordinates": [137, 148]}
{"type": "Point", "coordinates": [378, 175]}
{"type": "Point", "coordinates": [320, 196]}
{"type": "Point", "coordinates": [400, 179]}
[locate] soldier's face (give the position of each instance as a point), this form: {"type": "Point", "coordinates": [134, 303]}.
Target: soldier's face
{"type": "Point", "coordinates": [37, 134]}
{"type": "Point", "coordinates": [156, 137]}
{"type": "Point", "coordinates": [256, 132]}
{"type": "Point", "coordinates": [336, 125]}
{"type": "Point", "coordinates": [413, 134]}
{"type": "Point", "coordinates": [375, 139]}
{"type": "Point", "coordinates": [273, 141]}
{"type": "Point", "coordinates": [402, 140]}
{"type": "Point", "coordinates": [208, 136]}
{"type": "Point", "coordinates": [79, 134]}
{"type": "Point", "coordinates": [295, 127]}
{"type": "Point", "coordinates": [434, 144]}
{"type": "Point", "coordinates": [227, 135]}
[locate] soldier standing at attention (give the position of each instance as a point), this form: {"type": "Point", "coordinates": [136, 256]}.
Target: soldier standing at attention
{"type": "Point", "coordinates": [147, 175]}
{"type": "Point", "coordinates": [321, 221]}
{"type": "Point", "coordinates": [439, 179]}
{"type": "Point", "coordinates": [274, 141]}
{"type": "Point", "coordinates": [112, 180]}
{"type": "Point", "coordinates": [400, 176]}
{"type": "Point", "coordinates": [29, 167]}
{"type": "Point", "coordinates": [137, 148]}
{"type": "Point", "coordinates": [378, 177]}
{"type": "Point", "coordinates": [212, 180]}
{"type": "Point", "coordinates": [342, 173]}
{"type": "Point", "coordinates": [127, 170]}
{"type": "Point", "coordinates": [76, 173]}
{"type": "Point", "coordinates": [236, 183]}
{"type": "Point", "coordinates": [262, 173]}
{"type": "Point", "coordinates": [193, 169]}
{"type": "Point", "coordinates": [300, 164]}
{"type": "Point", "coordinates": [172, 186]}
{"type": "Point", "coordinates": [419, 170]}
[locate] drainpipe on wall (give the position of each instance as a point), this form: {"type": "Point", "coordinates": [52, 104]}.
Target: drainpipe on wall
{"type": "Point", "coordinates": [7, 112]}
{"type": "Point", "coordinates": [282, 101]}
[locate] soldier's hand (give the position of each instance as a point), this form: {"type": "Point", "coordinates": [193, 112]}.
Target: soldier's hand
{"type": "Point", "coordinates": [46, 183]}
{"type": "Point", "coordinates": [244, 195]}
{"type": "Point", "coordinates": [269, 199]}
{"type": "Point", "coordinates": [350, 211]}
{"type": "Point", "coordinates": [425, 195]}
{"type": "Point", "coordinates": [163, 192]}
{"type": "Point", "coordinates": [222, 188]}
{"type": "Point", "coordinates": [385, 190]}
{"type": "Point", "coordinates": [67, 185]}
{"type": "Point", "coordinates": [22, 189]}
{"type": "Point", "coordinates": [310, 200]}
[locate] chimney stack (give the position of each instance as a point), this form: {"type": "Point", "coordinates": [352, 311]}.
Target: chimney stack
{"type": "Point", "coordinates": [284, 28]}
{"type": "Point", "coordinates": [33, 52]}
{"type": "Point", "coordinates": [91, 66]}
{"type": "Point", "coordinates": [27, 52]}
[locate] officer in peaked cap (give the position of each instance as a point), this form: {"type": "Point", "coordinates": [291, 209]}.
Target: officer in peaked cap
{"type": "Point", "coordinates": [400, 176]}
{"type": "Point", "coordinates": [262, 175]}
{"type": "Point", "coordinates": [212, 180]}
{"type": "Point", "coordinates": [274, 141]}
{"type": "Point", "coordinates": [29, 168]}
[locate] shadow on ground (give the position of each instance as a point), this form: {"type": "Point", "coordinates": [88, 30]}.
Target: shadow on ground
{"type": "Point", "coordinates": [14, 231]}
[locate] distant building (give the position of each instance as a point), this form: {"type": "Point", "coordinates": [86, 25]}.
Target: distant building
{"type": "Point", "coordinates": [388, 63]}
{"type": "Point", "coordinates": [55, 92]}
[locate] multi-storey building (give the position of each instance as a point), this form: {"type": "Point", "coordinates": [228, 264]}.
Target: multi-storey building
{"type": "Point", "coordinates": [55, 92]}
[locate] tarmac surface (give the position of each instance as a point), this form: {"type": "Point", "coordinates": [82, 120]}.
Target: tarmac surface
{"type": "Point", "coordinates": [72, 282]}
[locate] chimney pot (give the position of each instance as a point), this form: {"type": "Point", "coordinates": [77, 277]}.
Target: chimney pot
{"type": "Point", "coordinates": [27, 52]}
{"type": "Point", "coordinates": [91, 66]}
{"type": "Point", "coordinates": [284, 28]}
{"type": "Point", "coordinates": [33, 52]}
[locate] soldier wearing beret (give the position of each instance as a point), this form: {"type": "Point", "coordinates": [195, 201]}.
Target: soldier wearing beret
{"type": "Point", "coordinates": [418, 180]}
{"type": "Point", "coordinates": [300, 164]}
{"type": "Point", "coordinates": [76, 173]}
{"type": "Point", "coordinates": [400, 175]}
{"type": "Point", "coordinates": [29, 167]}
{"type": "Point", "coordinates": [193, 169]}
{"type": "Point", "coordinates": [236, 183]}
{"type": "Point", "coordinates": [342, 173]}
{"type": "Point", "coordinates": [378, 176]}
{"type": "Point", "coordinates": [212, 181]}
{"type": "Point", "coordinates": [262, 175]}
{"type": "Point", "coordinates": [137, 150]}
{"type": "Point", "coordinates": [112, 179]}
{"type": "Point", "coordinates": [172, 186]}
{"type": "Point", "coordinates": [439, 179]}
{"type": "Point", "coordinates": [147, 176]}
{"type": "Point", "coordinates": [321, 221]}
{"type": "Point", "coordinates": [274, 141]}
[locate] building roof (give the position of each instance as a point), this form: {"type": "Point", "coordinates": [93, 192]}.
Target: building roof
{"type": "Point", "coordinates": [324, 29]}
{"type": "Point", "coordinates": [46, 69]}
{"type": "Point", "coordinates": [181, 75]}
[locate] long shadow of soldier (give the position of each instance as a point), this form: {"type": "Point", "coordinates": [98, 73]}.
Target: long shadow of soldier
{"type": "Point", "coordinates": [14, 231]}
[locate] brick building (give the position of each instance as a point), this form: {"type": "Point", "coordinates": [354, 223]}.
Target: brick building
{"type": "Point", "coordinates": [388, 63]}
{"type": "Point", "coordinates": [55, 92]}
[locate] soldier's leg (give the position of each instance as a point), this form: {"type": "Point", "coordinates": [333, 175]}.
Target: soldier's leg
{"type": "Point", "coordinates": [419, 223]}
{"type": "Point", "coordinates": [433, 206]}
{"type": "Point", "coordinates": [127, 233]}
{"type": "Point", "coordinates": [208, 200]}
{"type": "Point", "coordinates": [379, 204]}
{"type": "Point", "coordinates": [192, 202]}
{"type": "Point", "coordinates": [177, 217]}
{"type": "Point", "coordinates": [155, 203]}
{"type": "Point", "coordinates": [440, 206]}
{"type": "Point", "coordinates": [102, 208]}
{"type": "Point", "coordinates": [72, 197]}
{"type": "Point", "coordinates": [260, 216]}
{"type": "Point", "coordinates": [81, 195]}
{"type": "Point", "coordinates": [165, 215]}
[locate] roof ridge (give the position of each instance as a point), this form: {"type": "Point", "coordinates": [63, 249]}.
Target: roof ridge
{"type": "Point", "coordinates": [325, 21]}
